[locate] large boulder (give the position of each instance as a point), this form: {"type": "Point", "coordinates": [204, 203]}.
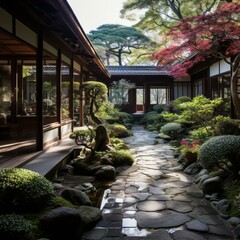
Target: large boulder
{"type": "Point", "coordinates": [212, 185]}
{"type": "Point", "coordinates": [61, 223]}
{"type": "Point", "coordinates": [89, 217]}
{"type": "Point", "coordinates": [106, 173]}
{"type": "Point", "coordinates": [76, 197]}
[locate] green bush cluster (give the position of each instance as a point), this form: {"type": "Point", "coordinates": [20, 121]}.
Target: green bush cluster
{"type": "Point", "coordinates": [15, 227]}
{"type": "Point", "coordinates": [122, 117]}
{"type": "Point", "coordinates": [171, 129]}
{"type": "Point", "coordinates": [177, 103]}
{"type": "Point", "coordinates": [118, 144]}
{"type": "Point", "coordinates": [121, 157]}
{"type": "Point", "coordinates": [118, 131]}
{"type": "Point", "coordinates": [23, 189]}
{"type": "Point", "coordinates": [218, 148]}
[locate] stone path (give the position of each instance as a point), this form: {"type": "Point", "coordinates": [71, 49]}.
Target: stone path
{"type": "Point", "coordinates": [154, 200]}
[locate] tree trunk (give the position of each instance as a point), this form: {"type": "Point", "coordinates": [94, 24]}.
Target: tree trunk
{"type": "Point", "coordinates": [92, 114]}
{"type": "Point", "coordinates": [234, 83]}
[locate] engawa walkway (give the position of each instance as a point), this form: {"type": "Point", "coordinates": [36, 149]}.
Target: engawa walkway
{"type": "Point", "coordinates": [153, 199]}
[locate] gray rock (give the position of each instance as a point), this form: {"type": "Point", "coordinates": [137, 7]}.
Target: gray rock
{"type": "Point", "coordinates": [89, 217]}
{"type": "Point", "coordinates": [76, 197]}
{"type": "Point", "coordinates": [67, 169]}
{"type": "Point", "coordinates": [209, 219]}
{"type": "Point", "coordinates": [160, 234]}
{"type": "Point", "coordinates": [106, 173]}
{"type": "Point", "coordinates": [196, 225]}
{"type": "Point", "coordinates": [237, 231]}
{"type": "Point", "coordinates": [62, 221]}
{"type": "Point", "coordinates": [186, 235]}
{"type": "Point", "coordinates": [202, 179]}
{"type": "Point", "coordinates": [86, 187]}
{"type": "Point", "coordinates": [212, 185]}
{"type": "Point", "coordinates": [151, 206]}
{"type": "Point", "coordinates": [220, 230]}
{"type": "Point", "coordinates": [159, 220]}
{"type": "Point", "coordinates": [222, 206]}
{"type": "Point", "coordinates": [182, 207]}
{"type": "Point", "coordinates": [202, 172]}
{"type": "Point", "coordinates": [192, 169]}
{"type": "Point", "coordinates": [234, 221]}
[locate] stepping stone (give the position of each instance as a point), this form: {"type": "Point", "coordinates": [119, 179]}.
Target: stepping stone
{"type": "Point", "coordinates": [209, 219]}
{"type": "Point", "coordinates": [159, 220]}
{"type": "Point", "coordinates": [131, 189]}
{"type": "Point", "coordinates": [181, 207]}
{"type": "Point", "coordinates": [141, 196]}
{"type": "Point", "coordinates": [156, 190]}
{"type": "Point", "coordinates": [220, 230]}
{"type": "Point", "coordinates": [160, 197]}
{"type": "Point", "coordinates": [186, 235]}
{"type": "Point", "coordinates": [160, 234]}
{"type": "Point", "coordinates": [174, 191]}
{"type": "Point", "coordinates": [182, 198]}
{"type": "Point", "coordinates": [151, 206]}
{"type": "Point", "coordinates": [196, 225]}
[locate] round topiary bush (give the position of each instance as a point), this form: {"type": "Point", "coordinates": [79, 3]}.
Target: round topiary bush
{"type": "Point", "coordinates": [218, 148]}
{"type": "Point", "coordinates": [119, 131]}
{"type": "Point", "coordinates": [15, 227]}
{"type": "Point", "coordinates": [23, 189]}
{"type": "Point", "coordinates": [171, 129]}
{"type": "Point", "coordinates": [176, 103]}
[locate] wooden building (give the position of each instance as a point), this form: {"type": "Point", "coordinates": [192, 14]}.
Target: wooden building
{"type": "Point", "coordinates": [44, 57]}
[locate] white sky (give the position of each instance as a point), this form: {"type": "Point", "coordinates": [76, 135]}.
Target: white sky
{"type": "Point", "coordinates": [93, 13]}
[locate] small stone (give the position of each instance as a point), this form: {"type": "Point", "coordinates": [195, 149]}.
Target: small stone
{"type": "Point", "coordinates": [106, 172]}
{"type": "Point", "coordinates": [192, 169]}
{"type": "Point", "coordinates": [222, 206]}
{"type": "Point", "coordinates": [234, 221]}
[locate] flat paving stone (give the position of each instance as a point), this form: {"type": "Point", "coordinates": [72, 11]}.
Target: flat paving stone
{"type": "Point", "coordinates": [210, 219]}
{"type": "Point", "coordinates": [141, 196]}
{"type": "Point", "coordinates": [158, 220]}
{"type": "Point", "coordinates": [181, 207]}
{"type": "Point", "coordinates": [151, 206]}
{"type": "Point", "coordinates": [196, 225]}
{"type": "Point", "coordinates": [220, 230]}
{"type": "Point", "coordinates": [160, 197]}
{"type": "Point", "coordinates": [156, 190]}
{"type": "Point", "coordinates": [186, 235]}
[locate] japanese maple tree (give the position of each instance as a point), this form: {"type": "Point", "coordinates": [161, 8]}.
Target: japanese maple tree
{"type": "Point", "coordinates": [194, 39]}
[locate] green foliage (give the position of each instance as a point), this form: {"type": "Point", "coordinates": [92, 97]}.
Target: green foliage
{"type": "Point", "coordinates": [95, 96]}
{"type": "Point", "coordinates": [171, 129]}
{"type": "Point", "coordinates": [15, 227]}
{"type": "Point", "coordinates": [121, 157]}
{"type": "Point", "coordinates": [227, 126]}
{"type": "Point", "coordinates": [158, 108]}
{"type": "Point", "coordinates": [60, 202]}
{"type": "Point", "coordinates": [119, 131]}
{"type": "Point", "coordinates": [119, 40]}
{"type": "Point", "coordinates": [118, 144]}
{"type": "Point", "coordinates": [170, 117]}
{"type": "Point", "coordinates": [119, 92]}
{"type": "Point", "coordinates": [177, 103]}
{"type": "Point", "coordinates": [233, 195]}
{"type": "Point", "coordinates": [82, 132]}
{"type": "Point", "coordinates": [122, 117]}
{"type": "Point", "coordinates": [22, 188]}
{"type": "Point", "coordinates": [218, 148]}
{"type": "Point", "coordinates": [151, 118]}
{"type": "Point", "coordinates": [164, 136]}
{"type": "Point", "coordinates": [202, 134]}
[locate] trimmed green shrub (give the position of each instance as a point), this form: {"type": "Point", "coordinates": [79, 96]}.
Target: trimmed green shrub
{"type": "Point", "coordinates": [118, 144]}
{"type": "Point", "coordinates": [215, 150]}
{"type": "Point", "coordinates": [121, 157]}
{"type": "Point", "coordinates": [171, 129]}
{"type": "Point", "coordinates": [158, 108]}
{"type": "Point", "coordinates": [22, 188]}
{"type": "Point", "coordinates": [122, 117]}
{"type": "Point", "coordinates": [202, 134]}
{"type": "Point", "coordinates": [227, 126]}
{"type": "Point", "coordinates": [177, 103]}
{"type": "Point", "coordinates": [15, 227]}
{"type": "Point", "coordinates": [119, 131]}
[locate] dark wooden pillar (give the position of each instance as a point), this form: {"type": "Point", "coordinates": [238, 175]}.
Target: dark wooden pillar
{"type": "Point", "coordinates": [59, 92]}
{"type": "Point", "coordinates": [70, 93]}
{"type": "Point", "coordinates": [81, 108]}
{"type": "Point", "coordinates": [39, 94]}
{"type": "Point", "coordinates": [146, 97]}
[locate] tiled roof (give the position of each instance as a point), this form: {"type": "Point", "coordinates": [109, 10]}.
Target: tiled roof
{"type": "Point", "coordinates": [136, 70]}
